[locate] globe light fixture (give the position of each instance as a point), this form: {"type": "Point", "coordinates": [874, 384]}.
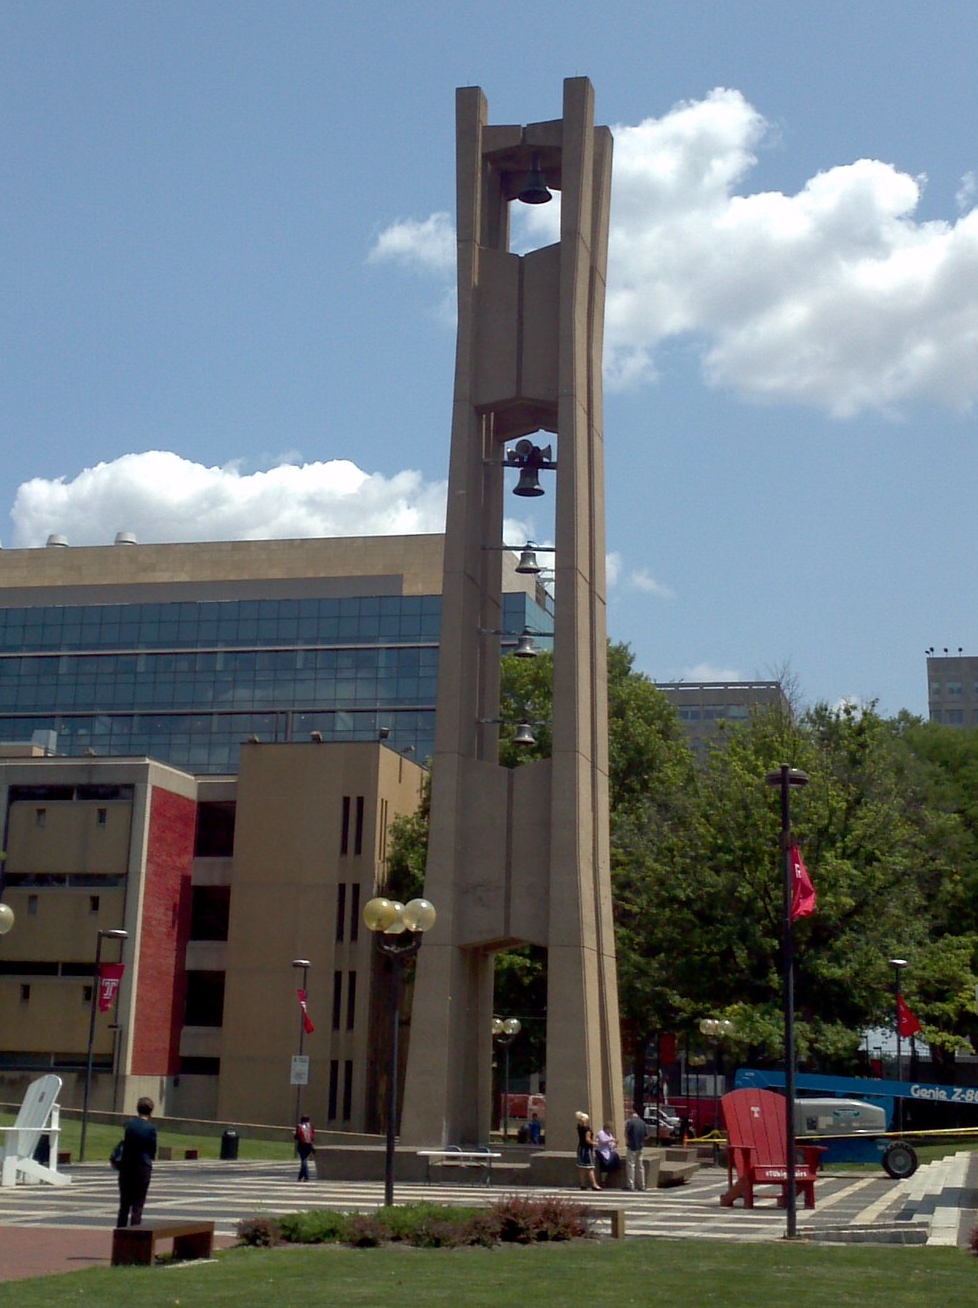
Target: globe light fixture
{"type": "Point", "coordinates": [397, 929]}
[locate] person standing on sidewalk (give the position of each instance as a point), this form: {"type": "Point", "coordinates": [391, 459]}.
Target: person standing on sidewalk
{"type": "Point", "coordinates": [304, 1137]}
{"type": "Point", "coordinates": [136, 1167]}
{"type": "Point", "coordinates": [636, 1133]}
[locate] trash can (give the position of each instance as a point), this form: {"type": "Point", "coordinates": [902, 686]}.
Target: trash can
{"type": "Point", "coordinates": [229, 1144]}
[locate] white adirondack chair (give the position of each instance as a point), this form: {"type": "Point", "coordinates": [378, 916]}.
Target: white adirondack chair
{"type": "Point", "coordinates": [39, 1115]}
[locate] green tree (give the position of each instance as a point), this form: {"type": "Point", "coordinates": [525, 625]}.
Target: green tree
{"type": "Point", "coordinates": [407, 849]}
{"type": "Point", "coordinates": [889, 830]}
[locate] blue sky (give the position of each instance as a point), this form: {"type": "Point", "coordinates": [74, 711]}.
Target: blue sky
{"type": "Point", "coordinates": [227, 302]}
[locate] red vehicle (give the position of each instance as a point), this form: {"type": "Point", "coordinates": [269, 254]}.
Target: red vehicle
{"type": "Point", "coordinates": [700, 1114]}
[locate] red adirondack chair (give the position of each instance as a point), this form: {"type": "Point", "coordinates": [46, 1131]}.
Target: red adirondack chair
{"type": "Point", "coordinates": [757, 1149]}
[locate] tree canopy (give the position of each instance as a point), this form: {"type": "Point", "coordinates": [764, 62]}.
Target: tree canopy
{"type": "Point", "coordinates": [888, 827]}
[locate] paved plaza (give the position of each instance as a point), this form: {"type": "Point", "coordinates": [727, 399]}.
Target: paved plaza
{"type": "Point", "coordinates": [935, 1206]}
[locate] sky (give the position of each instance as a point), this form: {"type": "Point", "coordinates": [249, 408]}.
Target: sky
{"type": "Point", "coordinates": [227, 281]}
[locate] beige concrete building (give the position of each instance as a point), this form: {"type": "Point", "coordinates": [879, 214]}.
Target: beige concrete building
{"type": "Point", "coordinates": [220, 884]}
{"type": "Point", "coordinates": [310, 850]}
{"type": "Point", "coordinates": [134, 682]}
{"type": "Point", "coordinates": [707, 709]}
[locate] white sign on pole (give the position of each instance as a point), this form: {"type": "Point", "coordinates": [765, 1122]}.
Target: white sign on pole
{"type": "Point", "coordinates": [300, 1069]}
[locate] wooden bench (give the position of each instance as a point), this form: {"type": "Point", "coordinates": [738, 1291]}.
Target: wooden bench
{"type": "Point", "coordinates": [135, 1246]}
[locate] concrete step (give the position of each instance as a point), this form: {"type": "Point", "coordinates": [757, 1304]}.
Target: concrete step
{"type": "Point", "coordinates": [938, 1199]}
{"type": "Point", "coordinates": [877, 1233]}
{"type": "Point", "coordinates": [929, 1178]}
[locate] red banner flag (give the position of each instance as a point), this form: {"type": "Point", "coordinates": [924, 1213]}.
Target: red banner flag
{"type": "Point", "coordinates": [109, 977]}
{"type": "Point", "coordinates": [307, 1025]}
{"type": "Point", "coordinates": [802, 890]}
{"type": "Point", "coordinates": [907, 1023]}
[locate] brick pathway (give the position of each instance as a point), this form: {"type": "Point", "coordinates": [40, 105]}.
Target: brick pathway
{"type": "Point", "coordinates": [44, 1250]}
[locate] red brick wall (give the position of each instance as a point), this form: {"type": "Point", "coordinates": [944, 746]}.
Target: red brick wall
{"type": "Point", "coordinates": [163, 935]}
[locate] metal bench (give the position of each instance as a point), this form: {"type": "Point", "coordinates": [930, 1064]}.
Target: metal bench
{"type": "Point", "coordinates": [452, 1156]}
{"type": "Point", "coordinates": [135, 1246]}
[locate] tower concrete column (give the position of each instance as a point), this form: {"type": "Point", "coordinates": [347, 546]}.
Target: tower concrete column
{"type": "Point", "coordinates": [521, 856]}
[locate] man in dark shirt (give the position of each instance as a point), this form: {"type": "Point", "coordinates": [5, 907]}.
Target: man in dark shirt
{"type": "Point", "coordinates": [138, 1152]}
{"type": "Point", "coordinates": [636, 1133]}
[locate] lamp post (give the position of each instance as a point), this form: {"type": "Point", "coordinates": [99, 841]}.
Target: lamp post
{"type": "Point", "coordinates": [116, 1029]}
{"type": "Point", "coordinates": [784, 778]}
{"type": "Point", "coordinates": [718, 1028]}
{"type": "Point", "coordinates": [304, 965]}
{"type": "Point", "coordinates": [101, 935]}
{"type": "Point", "coordinates": [898, 964]}
{"type": "Point", "coordinates": [505, 1030]}
{"type": "Point", "coordinates": [397, 929]}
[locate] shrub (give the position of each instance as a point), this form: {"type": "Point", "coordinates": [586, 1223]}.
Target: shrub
{"type": "Point", "coordinates": [561, 1219]}
{"type": "Point", "coordinates": [405, 1220]}
{"type": "Point", "coordinates": [481, 1228]}
{"type": "Point", "coordinates": [973, 1241]}
{"type": "Point", "coordinates": [524, 1220]}
{"type": "Point", "coordinates": [261, 1232]}
{"type": "Point", "coordinates": [319, 1226]}
{"type": "Point", "coordinates": [437, 1233]}
{"type": "Point", "coordinates": [516, 1218]}
{"type": "Point", "coordinates": [365, 1231]}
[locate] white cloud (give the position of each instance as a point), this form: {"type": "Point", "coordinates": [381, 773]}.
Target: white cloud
{"type": "Point", "coordinates": [711, 672]}
{"type": "Point", "coordinates": [612, 567]}
{"type": "Point", "coordinates": [835, 296]}
{"type": "Point", "coordinates": [642, 579]}
{"type": "Point", "coordinates": [849, 704]}
{"type": "Point", "coordinates": [426, 244]}
{"type": "Point", "coordinates": [967, 192]}
{"type": "Point", "coordinates": [163, 497]}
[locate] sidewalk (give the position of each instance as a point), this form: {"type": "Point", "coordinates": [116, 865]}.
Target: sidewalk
{"type": "Point", "coordinates": [48, 1250]}
{"type": "Point", "coordinates": [45, 1250]}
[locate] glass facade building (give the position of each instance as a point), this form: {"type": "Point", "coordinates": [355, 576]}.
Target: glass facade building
{"type": "Point", "coordinates": [185, 681]}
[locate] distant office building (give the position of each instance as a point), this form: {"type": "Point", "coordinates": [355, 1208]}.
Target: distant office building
{"type": "Point", "coordinates": [180, 652]}
{"type": "Point", "coordinates": [220, 883]}
{"type": "Point", "coordinates": [705, 708]}
{"type": "Point", "coordinates": [136, 682]}
{"type": "Point", "coordinates": [952, 689]}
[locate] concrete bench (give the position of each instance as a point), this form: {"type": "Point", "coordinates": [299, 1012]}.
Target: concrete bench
{"type": "Point", "coordinates": [135, 1246]}
{"type": "Point", "coordinates": [671, 1166]}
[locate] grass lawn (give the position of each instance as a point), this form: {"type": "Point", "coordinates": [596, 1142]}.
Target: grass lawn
{"type": "Point", "coordinates": [101, 1140]}
{"type": "Point", "coordinates": [677, 1273]}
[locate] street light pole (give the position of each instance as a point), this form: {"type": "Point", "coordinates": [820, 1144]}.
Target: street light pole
{"type": "Point", "coordinates": [505, 1030]}
{"type": "Point", "coordinates": [304, 965]}
{"type": "Point", "coordinates": [898, 964]}
{"type": "Point", "coordinates": [397, 929]}
{"type": "Point", "coordinates": [101, 935]}
{"type": "Point", "coordinates": [718, 1028]}
{"type": "Point", "coordinates": [784, 778]}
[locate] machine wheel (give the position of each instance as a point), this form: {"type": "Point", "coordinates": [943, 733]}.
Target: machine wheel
{"type": "Point", "coordinates": [900, 1160]}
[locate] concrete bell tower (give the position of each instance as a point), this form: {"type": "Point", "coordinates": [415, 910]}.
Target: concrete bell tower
{"type": "Point", "coordinates": [521, 855]}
